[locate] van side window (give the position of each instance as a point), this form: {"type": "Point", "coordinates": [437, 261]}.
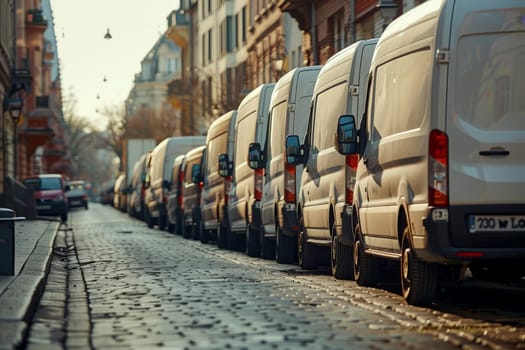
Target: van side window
{"type": "Point", "coordinates": [245, 134]}
{"type": "Point", "coordinates": [392, 80]}
{"type": "Point", "coordinates": [328, 107]}
{"type": "Point", "coordinates": [278, 129]}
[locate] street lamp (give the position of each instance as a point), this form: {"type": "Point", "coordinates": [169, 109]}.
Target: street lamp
{"type": "Point", "coordinates": [388, 11]}
{"type": "Point", "coordinates": [107, 35]}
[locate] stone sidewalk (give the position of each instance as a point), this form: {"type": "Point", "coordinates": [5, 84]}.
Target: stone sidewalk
{"type": "Point", "coordinates": [19, 294]}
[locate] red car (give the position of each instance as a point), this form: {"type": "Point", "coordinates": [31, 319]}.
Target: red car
{"type": "Point", "coordinates": [50, 194]}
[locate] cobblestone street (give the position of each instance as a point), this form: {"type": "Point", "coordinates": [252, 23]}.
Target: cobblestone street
{"type": "Point", "coordinates": [114, 283]}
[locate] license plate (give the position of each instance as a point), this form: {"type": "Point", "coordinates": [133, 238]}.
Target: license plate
{"type": "Point", "coordinates": [43, 207]}
{"type": "Point", "coordinates": [496, 223]}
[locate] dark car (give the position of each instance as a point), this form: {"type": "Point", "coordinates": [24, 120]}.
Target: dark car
{"type": "Point", "coordinates": [50, 194]}
{"type": "Point", "coordinates": [77, 195]}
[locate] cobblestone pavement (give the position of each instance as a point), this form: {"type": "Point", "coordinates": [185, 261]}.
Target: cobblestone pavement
{"type": "Point", "coordinates": [114, 283]}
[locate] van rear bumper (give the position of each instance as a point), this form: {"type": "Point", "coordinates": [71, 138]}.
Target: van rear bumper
{"type": "Point", "coordinates": [288, 220]}
{"type": "Point", "coordinates": [451, 242]}
{"type": "Point", "coordinates": [256, 217]}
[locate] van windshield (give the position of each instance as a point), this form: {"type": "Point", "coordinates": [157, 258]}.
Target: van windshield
{"type": "Point", "coordinates": [43, 184]}
{"type": "Point", "coordinates": [491, 80]}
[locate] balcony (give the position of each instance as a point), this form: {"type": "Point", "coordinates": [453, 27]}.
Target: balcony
{"type": "Point", "coordinates": [34, 17]}
{"type": "Point", "coordinates": [40, 125]}
{"type": "Point", "coordinates": [300, 10]}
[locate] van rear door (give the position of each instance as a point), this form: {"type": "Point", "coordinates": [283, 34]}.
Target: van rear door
{"type": "Point", "coordinates": [486, 124]}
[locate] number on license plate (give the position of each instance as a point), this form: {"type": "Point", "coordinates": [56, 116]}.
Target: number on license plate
{"type": "Point", "coordinates": [496, 223]}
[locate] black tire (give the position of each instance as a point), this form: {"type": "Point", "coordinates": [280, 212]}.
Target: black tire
{"type": "Point", "coordinates": [63, 216]}
{"type": "Point", "coordinates": [162, 222]}
{"type": "Point", "coordinates": [203, 233]}
{"type": "Point", "coordinates": [418, 279]}
{"type": "Point", "coordinates": [222, 236]}
{"type": "Point", "coordinates": [285, 247]}
{"type": "Point", "coordinates": [187, 231]}
{"type": "Point", "coordinates": [341, 258]}
{"type": "Point", "coordinates": [366, 267]}
{"type": "Point", "coordinates": [253, 241]}
{"type": "Point", "coordinates": [170, 227]}
{"type": "Point", "coordinates": [86, 206]}
{"type": "Point", "coordinates": [305, 251]}
{"type": "Point", "coordinates": [267, 246]}
{"type": "Point", "coordinates": [179, 226]}
{"type": "Point", "coordinates": [149, 220]}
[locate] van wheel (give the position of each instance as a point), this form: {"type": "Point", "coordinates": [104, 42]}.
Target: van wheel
{"type": "Point", "coordinates": [418, 279]}
{"type": "Point", "coordinates": [63, 216]}
{"type": "Point", "coordinates": [171, 227]}
{"type": "Point", "coordinates": [222, 236]}
{"type": "Point", "coordinates": [267, 246]}
{"type": "Point", "coordinates": [341, 258]}
{"type": "Point", "coordinates": [149, 220]}
{"type": "Point", "coordinates": [253, 247]}
{"type": "Point", "coordinates": [305, 251]}
{"type": "Point", "coordinates": [366, 267]}
{"type": "Point", "coordinates": [187, 231]}
{"type": "Point", "coordinates": [162, 222]}
{"type": "Point", "coordinates": [285, 247]}
{"type": "Point", "coordinates": [203, 234]}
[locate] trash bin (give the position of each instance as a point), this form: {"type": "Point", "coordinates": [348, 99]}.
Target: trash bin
{"type": "Point", "coordinates": [7, 241]}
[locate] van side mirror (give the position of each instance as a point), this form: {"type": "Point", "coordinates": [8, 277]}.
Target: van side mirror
{"type": "Point", "coordinates": [224, 165]}
{"type": "Point", "coordinates": [255, 156]}
{"type": "Point", "coordinates": [346, 136]}
{"type": "Point", "coordinates": [294, 154]}
{"type": "Point", "coordinates": [196, 173]}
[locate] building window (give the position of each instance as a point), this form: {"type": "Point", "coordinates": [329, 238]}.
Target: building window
{"type": "Point", "coordinates": [231, 37]}
{"type": "Point", "coordinates": [209, 7]}
{"type": "Point", "coordinates": [244, 24]}
{"type": "Point", "coordinates": [203, 49]}
{"type": "Point", "coordinates": [338, 25]}
{"type": "Point", "coordinates": [252, 12]}
{"type": "Point", "coordinates": [209, 46]}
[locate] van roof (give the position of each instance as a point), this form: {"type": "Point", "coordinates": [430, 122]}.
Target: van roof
{"type": "Point", "coordinates": [427, 13]}
{"type": "Point", "coordinates": [339, 66]}
{"type": "Point", "coordinates": [219, 125]}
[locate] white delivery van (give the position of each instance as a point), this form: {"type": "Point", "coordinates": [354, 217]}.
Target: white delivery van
{"type": "Point", "coordinates": [244, 208]}
{"type": "Point", "coordinates": [160, 171]}
{"type": "Point", "coordinates": [215, 194]}
{"type": "Point", "coordinates": [289, 111]}
{"type": "Point", "coordinates": [441, 176]}
{"type": "Point", "coordinates": [327, 177]}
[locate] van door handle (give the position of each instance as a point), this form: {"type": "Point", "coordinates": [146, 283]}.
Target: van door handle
{"type": "Point", "coordinates": [495, 151]}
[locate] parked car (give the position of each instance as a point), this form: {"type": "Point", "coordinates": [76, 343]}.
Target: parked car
{"type": "Point", "coordinates": [106, 193]}
{"type": "Point", "coordinates": [160, 170]}
{"type": "Point", "coordinates": [50, 194]}
{"type": "Point", "coordinates": [76, 194]}
{"type": "Point", "coordinates": [289, 111]}
{"type": "Point", "coordinates": [244, 208]}
{"type": "Point", "coordinates": [137, 188]}
{"type": "Point", "coordinates": [215, 194]}
{"type": "Point", "coordinates": [327, 180]}
{"type": "Point", "coordinates": [175, 215]}
{"type": "Point", "coordinates": [191, 192]}
{"type": "Point", "coordinates": [440, 178]}
{"type": "Point", "coordinates": [120, 192]}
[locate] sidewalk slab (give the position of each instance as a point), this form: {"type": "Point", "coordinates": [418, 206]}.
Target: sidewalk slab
{"type": "Point", "coordinates": [34, 240]}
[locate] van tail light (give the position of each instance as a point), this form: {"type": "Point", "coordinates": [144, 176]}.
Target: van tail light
{"type": "Point", "coordinates": [258, 183]}
{"type": "Point", "coordinates": [289, 183]}
{"type": "Point", "coordinates": [227, 188]}
{"type": "Point", "coordinates": [438, 169]}
{"type": "Point", "coordinates": [351, 168]}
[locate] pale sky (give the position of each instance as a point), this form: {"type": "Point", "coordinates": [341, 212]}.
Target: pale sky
{"type": "Point", "coordinates": [86, 57]}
